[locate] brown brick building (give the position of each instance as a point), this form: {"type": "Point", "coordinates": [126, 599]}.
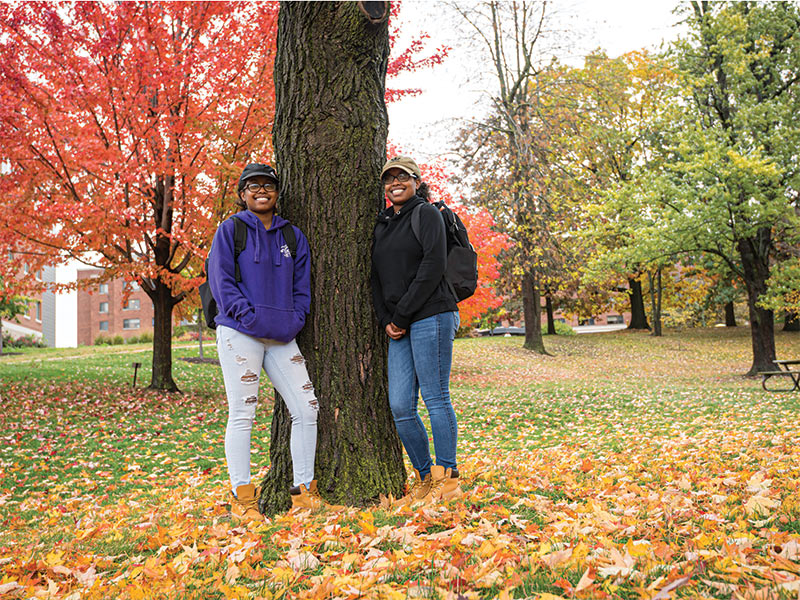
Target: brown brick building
{"type": "Point", "coordinates": [68, 319]}
{"type": "Point", "coordinates": [103, 310]}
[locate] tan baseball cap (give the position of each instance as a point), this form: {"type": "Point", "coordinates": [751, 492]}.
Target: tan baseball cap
{"type": "Point", "coordinates": [405, 163]}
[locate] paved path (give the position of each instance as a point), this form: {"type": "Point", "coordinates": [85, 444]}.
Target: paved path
{"type": "Point", "coordinates": [599, 328]}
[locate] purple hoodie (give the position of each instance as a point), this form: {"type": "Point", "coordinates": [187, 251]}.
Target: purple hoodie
{"type": "Point", "coordinates": [274, 296]}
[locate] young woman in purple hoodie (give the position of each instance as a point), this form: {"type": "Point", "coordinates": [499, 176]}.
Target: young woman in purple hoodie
{"type": "Point", "coordinates": [259, 317]}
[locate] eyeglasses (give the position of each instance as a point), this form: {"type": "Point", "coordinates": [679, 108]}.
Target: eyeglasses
{"type": "Point", "coordinates": [267, 187]}
{"type": "Point", "coordinates": [402, 177]}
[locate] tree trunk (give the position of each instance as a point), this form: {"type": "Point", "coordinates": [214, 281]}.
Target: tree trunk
{"type": "Point", "coordinates": [638, 316]}
{"type": "Point", "coordinates": [163, 303]}
{"type": "Point", "coordinates": [1, 337]}
{"type": "Point", "coordinates": [330, 140]}
{"type": "Point", "coordinates": [791, 321]}
{"type": "Point", "coordinates": [551, 323]}
{"type": "Point", "coordinates": [655, 301]}
{"type": "Point", "coordinates": [730, 317]}
{"type": "Point", "coordinates": [762, 326]}
{"type": "Point", "coordinates": [532, 307]}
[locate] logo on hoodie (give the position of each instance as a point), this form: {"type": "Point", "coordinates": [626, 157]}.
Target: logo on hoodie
{"type": "Point", "coordinates": [285, 251]}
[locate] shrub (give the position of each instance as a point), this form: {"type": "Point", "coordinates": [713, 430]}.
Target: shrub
{"type": "Point", "coordinates": [117, 340]}
{"type": "Point", "coordinates": [26, 341]}
{"type": "Point", "coordinates": [132, 340]}
{"type": "Point", "coordinates": [564, 329]}
{"type": "Point", "coordinates": [102, 340]}
{"type": "Point", "coordinates": [147, 336]}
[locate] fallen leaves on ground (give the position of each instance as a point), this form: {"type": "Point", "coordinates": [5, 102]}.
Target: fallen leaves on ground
{"type": "Point", "coordinates": [605, 486]}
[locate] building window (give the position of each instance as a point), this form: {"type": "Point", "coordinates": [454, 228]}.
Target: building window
{"type": "Point", "coordinates": [104, 307]}
{"type": "Point", "coordinates": [38, 275]}
{"type": "Point", "coordinates": [614, 319]}
{"type": "Point", "coordinates": [130, 324]}
{"type": "Point", "coordinates": [39, 312]}
{"type": "Point", "coordinates": [103, 325]}
{"type": "Point", "coordinates": [133, 286]}
{"type": "Point", "coordinates": [27, 315]}
{"type": "Point", "coordinates": [131, 305]}
{"type": "Point", "coordinates": [26, 269]}
{"type": "Point", "coordinates": [103, 288]}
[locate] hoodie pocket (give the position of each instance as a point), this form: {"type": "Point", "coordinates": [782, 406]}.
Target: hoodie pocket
{"type": "Point", "coordinates": [278, 324]}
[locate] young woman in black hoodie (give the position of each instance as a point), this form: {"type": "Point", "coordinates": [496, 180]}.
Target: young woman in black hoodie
{"type": "Point", "coordinates": [419, 314]}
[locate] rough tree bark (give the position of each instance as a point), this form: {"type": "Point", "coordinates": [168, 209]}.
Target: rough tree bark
{"type": "Point", "coordinates": [755, 264]}
{"type": "Point", "coordinates": [730, 316]}
{"type": "Point", "coordinates": [655, 301]}
{"type": "Point", "coordinates": [163, 303]}
{"type": "Point", "coordinates": [638, 316]}
{"type": "Point", "coordinates": [532, 308]}
{"type": "Point", "coordinates": [330, 140]}
{"type": "Point", "coordinates": [551, 323]}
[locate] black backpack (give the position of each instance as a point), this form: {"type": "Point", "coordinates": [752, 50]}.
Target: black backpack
{"type": "Point", "coordinates": [462, 260]}
{"type": "Point", "coordinates": [210, 309]}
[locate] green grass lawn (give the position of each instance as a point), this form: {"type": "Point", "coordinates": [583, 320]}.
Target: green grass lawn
{"type": "Point", "coordinates": [617, 467]}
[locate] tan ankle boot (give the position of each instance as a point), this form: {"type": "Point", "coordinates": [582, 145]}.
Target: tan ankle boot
{"type": "Point", "coordinates": [444, 485]}
{"type": "Point", "coordinates": [244, 504]}
{"type": "Point", "coordinates": [417, 491]}
{"type": "Point", "coordinates": [308, 498]}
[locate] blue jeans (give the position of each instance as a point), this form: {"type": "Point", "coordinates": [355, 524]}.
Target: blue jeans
{"type": "Point", "coordinates": [420, 361]}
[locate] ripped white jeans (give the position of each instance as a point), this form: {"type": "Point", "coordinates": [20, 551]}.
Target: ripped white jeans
{"type": "Point", "coordinates": [242, 357]}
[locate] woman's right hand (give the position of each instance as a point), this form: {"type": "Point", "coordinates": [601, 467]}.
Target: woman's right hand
{"type": "Point", "coordinates": [394, 332]}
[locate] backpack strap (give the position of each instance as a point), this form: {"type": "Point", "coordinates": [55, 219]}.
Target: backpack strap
{"type": "Point", "coordinates": [415, 229]}
{"type": "Point", "coordinates": [239, 242]}
{"type": "Point", "coordinates": [415, 221]}
{"type": "Point", "coordinates": [290, 238]}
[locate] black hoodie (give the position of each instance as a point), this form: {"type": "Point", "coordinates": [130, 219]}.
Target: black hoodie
{"type": "Point", "coordinates": [407, 279]}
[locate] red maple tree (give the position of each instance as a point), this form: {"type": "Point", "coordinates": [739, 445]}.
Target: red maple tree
{"type": "Point", "coordinates": [412, 58]}
{"type": "Point", "coordinates": [122, 129]}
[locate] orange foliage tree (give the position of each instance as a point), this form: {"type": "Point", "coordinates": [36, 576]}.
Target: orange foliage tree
{"type": "Point", "coordinates": [123, 127]}
{"type": "Point", "coordinates": [409, 59]}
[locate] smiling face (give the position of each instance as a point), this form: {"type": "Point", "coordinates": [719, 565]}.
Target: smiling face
{"type": "Point", "coordinates": [399, 192]}
{"type": "Point", "coordinates": [260, 200]}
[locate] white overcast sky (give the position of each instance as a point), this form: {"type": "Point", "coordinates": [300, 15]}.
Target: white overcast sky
{"type": "Point", "coordinates": [423, 126]}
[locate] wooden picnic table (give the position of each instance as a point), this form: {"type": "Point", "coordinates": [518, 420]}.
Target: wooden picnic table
{"type": "Point", "coordinates": [785, 370]}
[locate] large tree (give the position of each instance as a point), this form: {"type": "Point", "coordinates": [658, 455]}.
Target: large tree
{"type": "Point", "coordinates": [509, 33]}
{"type": "Point", "coordinates": [330, 139]}
{"type": "Point", "coordinates": [123, 127]}
{"type": "Point", "coordinates": [723, 175]}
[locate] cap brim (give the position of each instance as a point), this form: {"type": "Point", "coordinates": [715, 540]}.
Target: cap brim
{"type": "Point", "coordinates": [401, 167]}
{"type": "Point", "coordinates": [262, 174]}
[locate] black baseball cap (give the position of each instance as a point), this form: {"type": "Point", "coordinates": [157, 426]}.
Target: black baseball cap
{"type": "Point", "coordinates": [257, 170]}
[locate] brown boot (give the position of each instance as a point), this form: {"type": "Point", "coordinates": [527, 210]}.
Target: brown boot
{"type": "Point", "coordinates": [308, 498]}
{"type": "Point", "coordinates": [417, 491]}
{"type": "Point", "coordinates": [244, 504]}
{"type": "Point", "coordinates": [444, 485]}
